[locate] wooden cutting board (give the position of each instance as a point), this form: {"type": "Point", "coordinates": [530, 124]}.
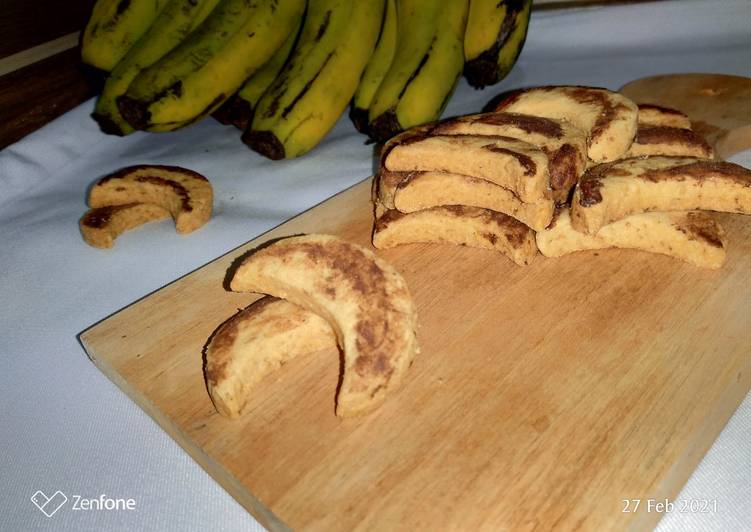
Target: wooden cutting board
{"type": "Point", "coordinates": [551, 396]}
{"type": "Point", "coordinates": [544, 396]}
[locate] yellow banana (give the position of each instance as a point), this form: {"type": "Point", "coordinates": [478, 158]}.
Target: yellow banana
{"type": "Point", "coordinates": [375, 71]}
{"type": "Point", "coordinates": [196, 77]}
{"type": "Point", "coordinates": [426, 66]}
{"type": "Point", "coordinates": [495, 35]}
{"type": "Point", "coordinates": [172, 25]}
{"type": "Point", "coordinates": [238, 110]}
{"type": "Point", "coordinates": [320, 78]}
{"type": "Point", "coordinates": [114, 27]}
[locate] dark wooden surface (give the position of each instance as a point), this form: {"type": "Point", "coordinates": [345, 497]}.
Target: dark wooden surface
{"type": "Point", "coordinates": [36, 94]}
{"type": "Point", "coordinates": [28, 23]}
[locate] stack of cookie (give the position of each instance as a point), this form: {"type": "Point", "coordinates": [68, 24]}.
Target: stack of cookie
{"type": "Point", "coordinates": [476, 180]}
{"type": "Point", "coordinates": [656, 195]}
{"type": "Point", "coordinates": [493, 180]}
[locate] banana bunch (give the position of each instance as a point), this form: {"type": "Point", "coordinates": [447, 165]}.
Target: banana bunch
{"type": "Point", "coordinates": [284, 71]}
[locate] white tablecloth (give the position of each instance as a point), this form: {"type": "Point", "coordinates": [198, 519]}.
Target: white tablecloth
{"type": "Point", "coordinates": [64, 426]}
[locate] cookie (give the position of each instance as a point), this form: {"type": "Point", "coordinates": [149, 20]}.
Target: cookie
{"type": "Point", "coordinates": [692, 236]}
{"type": "Point", "coordinates": [408, 136]}
{"type": "Point", "coordinates": [185, 194]}
{"type": "Point", "coordinates": [510, 163]}
{"type": "Point", "coordinates": [255, 342]}
{"type": "Point", "coordinates": [414, 191]}
{"type": "Point", "coordinates": [364, 299]}
{"type": "Point", "coordinates": [457, 224]}
{"type": "Point", "coordinates": [101, 226]}
{"type": "Point", "coordinates": [665, 140]}
{"type": "Point", "coordinates": [609, 192]}
{"type": "Point", "coordinates": [563, 143]}
{"type": "Point", "coordinates": [608, 118]}
{"type": "Point", "coordinates": [657, 115]}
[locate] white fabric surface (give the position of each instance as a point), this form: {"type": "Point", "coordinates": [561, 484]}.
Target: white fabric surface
{"type": "Point", "coordinates": [66, 427]}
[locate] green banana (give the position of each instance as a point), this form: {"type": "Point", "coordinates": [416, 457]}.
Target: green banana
{"type": "Point", "coordinates": [197, 76]}
{"type": "Point", "coordinates": [238, 110]}
{"type": "Point", "coordinates": [426, 66]}
{"type": "Point", "coordinates": [114, 27]}
{"type": "Point", "coordinates": [375, 71]}
{"type": "Point", "coordinates": [495, 36]}
{"type": "Point", "coordinates": [172, 25]}
{"type": "Point", "coordinates": [315, 86]}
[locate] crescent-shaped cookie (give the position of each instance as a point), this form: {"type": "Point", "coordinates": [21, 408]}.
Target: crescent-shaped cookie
{"type": "Point", "coordinates": [408, 136]}
{"type": "Point", "coordinates": [665, 140]}
{"type": "Point", "coordinates": [694, 237]}
{"type": "Point", "coordinates": [511, 163]}
{"type": "Point", "coordinates": [364, 299]}
{"type": "Point", "coordinates": [457, 224]}
{"type": "Point", "coordinates": [256, 341]}
{"type": "Point", "coordinates": [563, 143]}
{"type": "Point", "coordinates": [657, 115]}
{"type": "Point", "coordinates": [608, 118]}
{"type": "Point", "coordinates": [101, 226]}
{"type": "Point", "coordinates": [609, 192]}
{"type": "Point", "coordinates": [414, 191]}
{"type": "Point", "coordinates": [185, 194]}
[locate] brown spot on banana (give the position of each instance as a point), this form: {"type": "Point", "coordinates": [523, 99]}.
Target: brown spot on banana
{"type": "Point", "coordinates": [324, 26]}
{"type": "Point", "coordinates": [122, 7]}
{"type": "Point", "coordinates": [136, 112]}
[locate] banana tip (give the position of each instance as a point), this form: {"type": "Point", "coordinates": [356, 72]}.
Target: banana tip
{"type": "Point", "coordinates": [235, 111]}
{"type": "Point", "coordinates": [265, 143]}
{"type": "Point", "coordinates": [359, 117]}
{"type": "Point", "coordinates": [481, 72]}
{"type": "Point", "coordinates": [385, 126]}
{"type": "Point", "coordinates": [108, 125]}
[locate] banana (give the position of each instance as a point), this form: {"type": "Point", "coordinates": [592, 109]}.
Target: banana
{"type": "Point", "coordinates": [238, 110]}
{"type": "Point", "coordinates": [318, 82]}
{"type": "Point", "coordinates": [496, 31]}
{"type": "Point", "coordinates": [426, 66]}
{"type": "Point", "coordinates": [197, 76]}
{"type": "Point", "coordinates": [172, 25]}
{"type": "Point", "coordinates": [114, 27]}
{"type": "Point", "coordinates": [375, 71]}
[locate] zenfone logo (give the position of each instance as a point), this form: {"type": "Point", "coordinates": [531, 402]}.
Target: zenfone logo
{"type": "Point", "coordinates": [49, 505]}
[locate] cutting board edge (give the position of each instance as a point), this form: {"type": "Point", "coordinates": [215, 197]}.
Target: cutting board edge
{"type": "Point", "coordinates": [241, 494]}
{"type": "Point", "coordinates": [684, 467]}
